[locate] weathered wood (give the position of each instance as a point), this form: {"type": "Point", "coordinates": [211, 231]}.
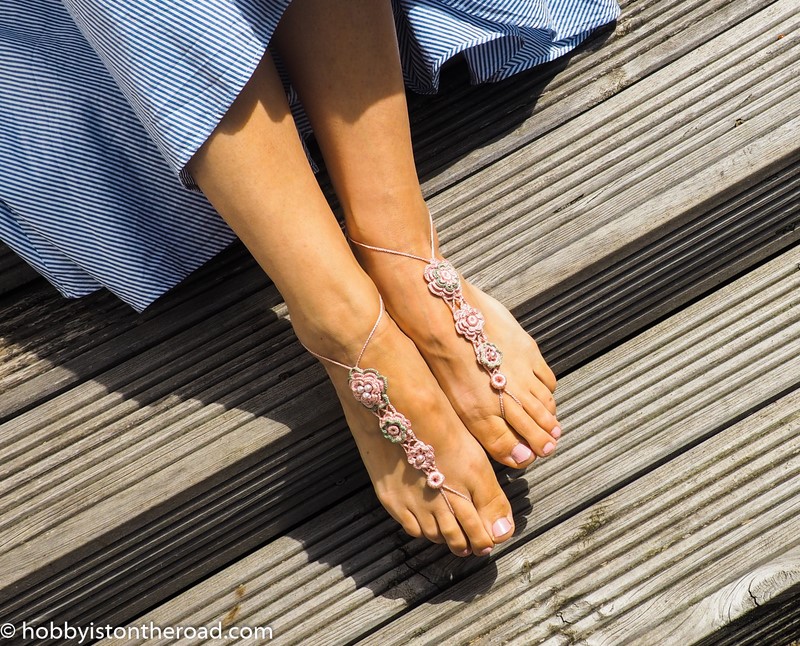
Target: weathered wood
{"type": "Point", "coordinates": [598, 179]}
{"type": "Point", "coordinates": [61, 344]}
{"type": "Point", "coordinates": [648, 40]}
{"type": "Point", "coordinates": [776, 623]}
{"type": "Point", "coordinates": [753, 589]}
{"type": "Point", "coordinates": [645, 402]}
{"type": "Point", "coordinates": [623, 570]}
{"type": "Point", "coordinates": [610, 305]}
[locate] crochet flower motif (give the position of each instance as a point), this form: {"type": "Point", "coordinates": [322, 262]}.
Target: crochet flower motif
{"type": "Point", "coordinates": [368, 387]}
{"type": "Point", "coordinates": [443, 280]}
{"type": "Point", "coordinates": [420, 455]}
{"type": "Point", "coordinates": [498, 381]}
{"type": "Point", "coordinates": [469, 322]}
{"type": "Point", "coordinates": [394, 427]}
{"type": "Point", "coordinates": [435, 479]}
{"type": "Point", "coordinates": [489, 356]}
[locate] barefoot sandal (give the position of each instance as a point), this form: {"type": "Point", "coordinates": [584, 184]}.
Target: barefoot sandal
{"type": "Point", "coordinates": [444, 282]}
{"type": "Point", "coordinates": [369, 387]}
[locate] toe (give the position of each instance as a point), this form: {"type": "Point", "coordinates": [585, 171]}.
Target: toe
{"type": "Point", "coordinates": [542, 443]}
{"type": "Point", "coordinates": [537, 411]}
{"type": "Point", "coordinates": [453, 535]}
{"type": "Point", "coordinates": [408, 522]}
{"type": "Point", "coordinates": [543, 394]}
{"type": "Point", "coordinates": [430, 528]}
{"type": "Point", "coordinates": [473, 525]}
{"type": "Point", "coordinates": [502, 529]}
{"type": "Point", "coordinates": [544, 373]}
{"type": "Point", "coordinates": [502, 443]}
{"type": "Point", "coordinates": [495, 512]}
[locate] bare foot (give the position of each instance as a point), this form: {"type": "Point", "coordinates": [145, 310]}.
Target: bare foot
{"type": "Point", "coordinates": [472, 524]}
{"type": "Point", "coordinates": [527, 426]}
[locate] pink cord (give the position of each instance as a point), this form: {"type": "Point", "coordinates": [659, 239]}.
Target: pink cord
{"type": "Point", "coordinates": [369, 387]}
{"type": "Point", "coordinates": [443, 281]}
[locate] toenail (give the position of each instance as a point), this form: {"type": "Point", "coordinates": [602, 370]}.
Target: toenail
{"type": "Point", "coordinates": [501, 527]}
{"type": "Point", "coordinates": [548, 448]}
{"type": "Point", "coordinates": [465, 552]}
{"type": "Point", "coordinates": [521, 453]}
{"type": "Point", "coordinates": [556, 432]}
{"type": "Point", "coordinates": [485, 551]}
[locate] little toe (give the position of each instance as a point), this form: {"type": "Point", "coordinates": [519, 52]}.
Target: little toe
{"type": "Point", "coordinates": [545, 374]}
{"type": "Point", "coordinates": [408, 522]}
{"type": "Point", "coordinates": [543, 394]}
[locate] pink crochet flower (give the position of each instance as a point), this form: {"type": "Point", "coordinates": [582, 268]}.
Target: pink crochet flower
{"type": "Point", "coordinates": [435, 479]}
{"type": "Point", "coordinates": [469, 322]}
{"type": "Point", "coordinates": [368, 387]}
{"type": "Point", "coordinates": [420, 455]}
{"type": "Point", "coordinates": [498, 381]}
{"type": "Point", "coordinates": [489, 356]}
{"type": "Point", "coordinates": [394, 427]}
{"type": "Point", "coordinates": [443, 279]}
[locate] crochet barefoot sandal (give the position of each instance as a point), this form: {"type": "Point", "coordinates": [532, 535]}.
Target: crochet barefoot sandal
{"type": "Point", "coordinates": [444, 282]}
{"type": "Point", "coordinates": [369, 387]}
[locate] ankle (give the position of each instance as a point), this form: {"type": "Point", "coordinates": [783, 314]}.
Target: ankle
{"type": "Point", "coordinates": [337, 324]}
{"type": "Point", "coordinates": [397, 220]}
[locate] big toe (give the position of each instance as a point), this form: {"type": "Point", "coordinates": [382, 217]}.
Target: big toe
{"type": "Point", "coordinates": [495, 513]}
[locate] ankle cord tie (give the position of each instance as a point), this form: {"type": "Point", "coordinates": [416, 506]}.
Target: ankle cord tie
{"type": "Point", "coordinates": [369, 387]}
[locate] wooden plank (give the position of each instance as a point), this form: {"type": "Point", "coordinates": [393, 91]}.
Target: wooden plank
{"type": "Point", "coordinates": [648, 37]}
{"type": "Point", "coordinates": [139, 569]}
{"type": "Point", "coordinates": [654, 398]}
{"type": "Point", "coordinates": [203, 434]}
{"type": "Point", "coordinates": [752, 589]}
{"type": "Point", "coordinates": [639, 289]}
{"type": "Point", "coordinates": [49, 344]}
{"type": "Point", "coordinates": [776, 623]}
{"type": "Point", "coordinates": [598, 180]}
{"type": "Point", "coordinates": [627, 569]}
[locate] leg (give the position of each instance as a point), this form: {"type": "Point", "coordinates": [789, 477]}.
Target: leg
{"type": "Point", "coordinates": [254, 171]}
{"type": "Point", "coordinates": [349, 79]}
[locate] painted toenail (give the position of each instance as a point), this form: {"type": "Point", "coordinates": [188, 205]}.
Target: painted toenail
{"type": "Point", "coordinates": [556, 432]}
{"type": "Point", "coordinates": [548, 448]}
{"type": "Point", "coordinates": [501, 527]}
{"type": "Point", "coordinates": [521, 453]}
{"type": "Point", "coordinates": [485, 551]}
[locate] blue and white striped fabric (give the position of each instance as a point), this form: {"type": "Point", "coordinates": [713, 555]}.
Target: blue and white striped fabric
{"type": "Point", "coordinates": [103, 102]}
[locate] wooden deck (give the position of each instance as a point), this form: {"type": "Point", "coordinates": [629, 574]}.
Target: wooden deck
{"type": "Point", "coordinates": [637, 207]}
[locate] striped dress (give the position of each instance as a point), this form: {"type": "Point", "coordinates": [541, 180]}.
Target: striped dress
{"type": "Point", "coordinates": [103, 102]}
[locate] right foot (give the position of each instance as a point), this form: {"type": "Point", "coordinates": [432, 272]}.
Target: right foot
{"type": "Point", "coordinates": [514, 427]}
{"type": "Point", "coordinates": [474, 526]}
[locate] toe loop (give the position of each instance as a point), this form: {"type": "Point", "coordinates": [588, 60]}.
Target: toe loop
{"type": "Point", "coordinates": [435, 480]}
{"type": "Point", "coordinates": [499, 381]}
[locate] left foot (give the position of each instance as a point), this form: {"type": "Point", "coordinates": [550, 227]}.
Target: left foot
{"type": "Point", "coordinates": [525, 431]}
